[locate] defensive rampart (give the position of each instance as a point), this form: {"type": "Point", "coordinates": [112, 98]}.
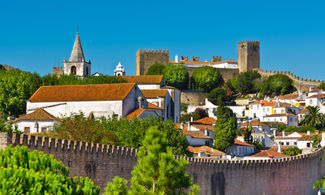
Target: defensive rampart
{"type": "Point", "coordinates": [294, 175]}
{"type": "Point", "coordinates": [302, 84]}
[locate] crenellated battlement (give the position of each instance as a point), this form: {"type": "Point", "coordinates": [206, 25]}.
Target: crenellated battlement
{"type": "Point", "coordinates": [147, 57]}
{"type": "Point", "coordinates": [101, 163]}
{"type": "Point", "coordinates": [153, 51]}
{"type": "Point", "coordinates": [300, 82]}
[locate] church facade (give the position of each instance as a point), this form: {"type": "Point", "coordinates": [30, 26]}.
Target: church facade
{"type": "Point", "coordinates": [76, 65]}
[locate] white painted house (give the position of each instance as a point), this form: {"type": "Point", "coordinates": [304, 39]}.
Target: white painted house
{"type": "Point", "coordinates": [240, 148]}
{"type": "Point", "coordinates": [287, 119]}
{"type": "Point", "coordinates": [300, 140]}
{"type": "Point", "coordinates": [102, 100]}
{"type": "Point", "coordinates": [36, 122]}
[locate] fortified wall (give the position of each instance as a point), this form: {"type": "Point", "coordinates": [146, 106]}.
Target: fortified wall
{"type": "Point", "coordinates": [302, 84]}
{"type": "Point", "coordinates": [292, 175]}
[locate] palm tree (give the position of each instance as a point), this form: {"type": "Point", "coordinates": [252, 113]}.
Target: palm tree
{"type": "Point", "coordinates": [314, 117]}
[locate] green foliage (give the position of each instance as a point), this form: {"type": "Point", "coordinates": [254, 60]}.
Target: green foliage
{"type": "Point", "coordinates": [322, 86]}
{"type": "Point", "coordinates": [207, 78]}
{"type": "Point", "coordinates": [316, 141]}
{"type": "Point", "coordinates": [184, 107]}
{"type": "Point", "coordinates": [157, 171]}
{"type": "Point", "coordinates": [156, 69]}
{"type": "Point", "coordinates": [117, 187]}
{"type": "Point", "coordinates": [122, 132]}
{"type": "Point", "coordinates": [245, 83]}
{"type": "Point", "coordinates": [8, 127]}
{"type": "Point", "coordinates": [293, 151]}
{"type": "Point", "coordinates": [278, 84]}
{"type": "Point", "coordinates": [176, 76]}
{"type": "Point", "coordinates": [216, 93]}
{"type": "Point", "coordinates": [314, 118]}
{"type": "Point", "coordinates": [248, 135]}
{"type": "Point", "coordinates": [258, 145]}
{"type": "Point", "coordinates": [225, 127]}
{"type": "Point", "coordinates": [199, 113]}
{"type": "Point", "coordinates": [26, 172]}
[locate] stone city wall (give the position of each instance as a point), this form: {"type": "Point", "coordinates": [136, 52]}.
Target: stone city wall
{"type": "Point", "coordinates": [292, 175]}
{"type": "Point", "coordinates": [193, 98]}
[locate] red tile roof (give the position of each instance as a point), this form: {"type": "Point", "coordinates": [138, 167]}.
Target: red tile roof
{"type": "Point", "coordinates": [237, 142]}
{"type": "Point", "coordinates": [318, 96]}
{"type": "Point", "coordinates": [205, 149]}
{"type": "Point", "coordinates": [289, 96]}
{"type": "Point", "coordinates": [268, 153]}
{"type": "Point", "coordinates": [284, 114]}
{"type": "Point", "coordinates": [153, 106]}
{"type": "Point", "coordinates": [144, 79]}
{"type": "Point", "coordinates": [196, 134]}
{"type": "Point", "coordinates": [254, 123]}
{"type": "Point", "coordinates": [66, 93]}
{"type": "Point", "coordinates": [137, 112]}
{"type": "Point", "coordinates": [303, 111]}
{"type": "Point", "coordinates": [264, 103]}
{"type": "Point", "coordinates": [206, 121]}
{"type": "Point", "coordinates": [154, 93]}
{"type": "Point", "coordinates": [37, 115]}
{"type": "Point", "coordinates": [203, 127]}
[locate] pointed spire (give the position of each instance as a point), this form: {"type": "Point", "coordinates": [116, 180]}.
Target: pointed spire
{"type": "Point", "coordinates": [77, 54]}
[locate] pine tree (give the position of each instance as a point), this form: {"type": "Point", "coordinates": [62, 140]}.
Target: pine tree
{"type": "Point", "coordinates": [157, 171]}
{"type": "Point", "coordinates": [225, 128]}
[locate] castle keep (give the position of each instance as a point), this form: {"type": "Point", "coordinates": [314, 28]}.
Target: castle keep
{"type": "Point", "coordinates": [101, 163]}
{"type": "Point", "coordinates": [248, 59]}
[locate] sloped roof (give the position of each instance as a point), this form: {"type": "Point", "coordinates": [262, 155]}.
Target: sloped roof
{"type": "Point", "coordinates": [237, 142]}
{"type": "Point", "coordinates": [281, 104]}
{"type": "Point", "coordinates": [303, 111]}
{"type": "Point", "coordinates": [253, 123]}
{"type": "Point", "coordinates": [196, 134]}
{"type": "Point", "coordinates": [144, 79]}
{"type": "Point", "coordinates": [203, 127]}
{"type": "Point", "coordinates": [268, 153]}
{"type": "Point", "coordinates": [97, 92]}
{"type": "Point", "coordinates": [206, 121]}
{"type": "Point", "coordinates": [154, 93]}
{"type": "Point", "coordinates": [153, 106]}
{"type": "Point", "coordinates": [77, 54]}
{"type": "Point", "coordinates": [284, 114]}
{"type": "Point", "coordinates": [37, 115]}
{"type": "Point", "coordinates": [289, 96]}
{"type": "Point", "coordinates": [205, 149]}
{"type": "Point", "coordinates": [264, 103]}
{"type": "Point", "coordinates": [318, 96]}
{"type": "Point", "coordinates": [137, 112]}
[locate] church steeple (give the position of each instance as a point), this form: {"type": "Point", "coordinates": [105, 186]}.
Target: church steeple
{"type": "Point", "coordinates": [77, 54]}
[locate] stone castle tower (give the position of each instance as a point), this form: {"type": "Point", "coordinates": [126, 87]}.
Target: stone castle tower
{"type": "Point", "coordinates": [248, 55]}
{"type": "Point", "coordinates": [77, 64]}
{"type": "Point", "coordinates": [147, 58]}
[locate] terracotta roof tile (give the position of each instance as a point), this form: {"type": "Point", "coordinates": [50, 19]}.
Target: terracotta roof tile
{"type": "Point", "coordinates": [264, 103]}
{"type": "Point", "coordinates": [318, 96]}
{"type": "Point", "coordinates": [196, 134]}
{"type": "Point", "coordinates": [137, 112]}
{"type": "Point", "coordinates": [303, 111]}
{"type": "Point", "coordinates": [284, 114]}
{"type": "Point", "coordinates": [37, 115]}
{"type": "Point", "coordinates": [154, 93]}
{"type": "Point", "coordinates": [203, 127]}
{"type": "Point", "coordinates": [281, 104]}
{"type": "Point", "coordinates": [253, 123]}
{"type": "Point", "coordinates": [144, 79]}
{"type": "Point", "coordinates": [206, 121]}
{"type": "Point", "coordinates": [289, 96]}
{"type": "Point", "coordinates": [237, 142]}
{"type": "Point", "coordinates": [315, 90]}
{"type": "Point", "coordinates": [205, 149]}
{"type": "Point", "coordinates": [66, 93]}
{"type": "Point", "coordinates": [268, 153]}
{"type": "Point", "coordinates": [202, 63]}
{"type": "Point", "coordinates": [152, 106]}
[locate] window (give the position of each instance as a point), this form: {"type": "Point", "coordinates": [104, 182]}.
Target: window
{"type": "Point", "coordinates": [295, 143]}
{"type": "Point", "coordinates": [27, 129]}
{"type": "Point", "coordinates": [311, 101]}
{"type": "Point", "coordinates": [263, 109]}
{"type": "Point", "coordinates": [290, 119]}
{"type": "Point", "coordinates": [274, 111]}
{"type": "Point", "coordinates": [282, 110]}
{"type": "Point", "coordinates": [44, 129]}
{"type": "Point", "coordinates": [282, 143]}
{"type": "Point", "coordinates": [287, 143]}
{"type": "Point", "coordinates": [280, 119]}
{"type": "Point", "coordinates": [207, 143]}
{"type": "Point", "coordinates": [73, 70]}
{"type": "Point", "coordinates": [308, 145]}
{"type": "Point", "coordinates": [268, 109]}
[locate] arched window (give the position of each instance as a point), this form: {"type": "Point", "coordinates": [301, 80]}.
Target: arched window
{"type": "Point", "coordinates": [73, 70]}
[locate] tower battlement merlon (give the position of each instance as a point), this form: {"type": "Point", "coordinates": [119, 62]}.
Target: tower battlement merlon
{"type": "Point", "coordinates": [147, 57]}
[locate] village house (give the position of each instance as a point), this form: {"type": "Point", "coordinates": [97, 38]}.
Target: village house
{"type": "Point", "coordinates": [36, 122]}
{"type": "Point", "coordinates": [206, 152]}
{"type": "Point", "coordinates": [295, 99]}
{"type": "Point", "coordinates": [257, 126]}
{"type": "Point", "coordinates": [287, 119]}
{"type": "Point", "coordinates": [300, 140]}
{"type": "Point", "coordinates": [102, 100]}
{"type": "Point", "coordinates": [265, 155]}
{"type": "Point", "coordinates": [240, 148]}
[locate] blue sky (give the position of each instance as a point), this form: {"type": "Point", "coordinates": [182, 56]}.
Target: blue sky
{"type": "Point", "coordinates": [36, 35]}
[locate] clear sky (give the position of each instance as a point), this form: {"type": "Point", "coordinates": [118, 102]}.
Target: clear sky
{"type": "Point", "coordinates": [36, 35]}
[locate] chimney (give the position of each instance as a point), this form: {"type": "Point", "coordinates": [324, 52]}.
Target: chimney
{"type": "Point", "coordinates": [206, 132]}
{"type": "Point", "coordinates": [176, 58]}
{"type": "Point", "coordinates": [191, 119]}
{"type": "Point", "coordinates": [308, 132]}
{"type": "Point", "coordinates": [182, 126]}
{"type": "Point", "coordinates": [283, 134]}
{"type": "Point", "coordinates": [189, 126]}
{"type": "Point", "coordinates": [140, 99]}
{"type": "Point", "coordinates": [279, 147]}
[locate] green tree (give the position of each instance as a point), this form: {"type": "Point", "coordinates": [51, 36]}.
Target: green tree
{"type": "Point", "coordinates": [248, 134]}
{"type": "Point", "coordinates": [245, 82]}
{"type": "Point", "coordinates": [293, 151]}
{"type": "Point", "coordinates": [157, 171]}
{"type": "Point", "coordinates": [26, 172]}
{"type": "Point", "coordinates": [316, 141]}
{"type": "Point", "coordinates": [314, 118]}
{"type": "Point", "coordinates": [225, 127]}
{"type": "Point", "coordinates": [322, 86]}
{"type": "Point", "coordinates": [156, 69]}
{"type": "Point", "coordinates": [117, 187]}
{"type": "Point", "coordinates": [217, 93]}
{"type": "Point", "coordinates": [321, 183]}
{"type": "Point", "coordinates": [176, 76]}
{"type": "Point", "coordinates": [207, 78]}
{"type": "Point", "coordinates": [278, 84]}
